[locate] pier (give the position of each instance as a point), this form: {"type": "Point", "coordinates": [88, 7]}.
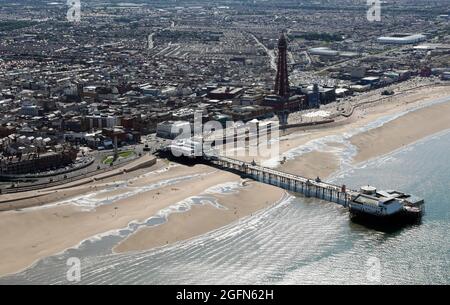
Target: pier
{"type": "Point", "coordinates": [368, 201]}
{"type": "Point", "coordinates": [289, 182]}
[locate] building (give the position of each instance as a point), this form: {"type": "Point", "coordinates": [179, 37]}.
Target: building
{"type": "Point", "coordinates": [252, 97]}
{"type": "Point", "coordinates": [225, 93]}
{"type": "Point", "coordinates": [342, 92]}
{"type": "Point", "coordinates": [222, 118]}
{"type": "Point", "coordinates": [29, 108]}
{"type": "Point", "coordinates": [148, 90]}
{"type": "Point", "coordinates": [359, 88]}
{"type": "Point", "coordinates": [358, 72]}
{"type": "Point", "coordinates": [101, 121]}
{"type": "Point", "coordinates": [404, 75]}
{"type": "Point", "coordinates": [291, 104]}
{"type": "Point", "coordinates": [191, 147]}
{"type": "Point", "coordinates": [402, 39]}
{"type": "Point", "coordinates": [6, 130]}
{"type": "Point", "coordinates": [314, 97]}
{"type": "Point", "coordinates": [74, 124]}
{"type": "Point", "coordinates": [248, 113]}
{"type": "Point", "coordinates": [122, 135]}
{"type": "Point", "coordinates": [370, 80]}
{"type": "Point", "coordinates": [132, 122]}
{"type": "Point", "coordinates": [319, 95]}
{"type": "Point", "coordinates": [323, 51]}
{"type": "Point", "coordinates": [35, 163]}
{"type": "Point", "coordinates": [90, 93]}
{"type": "Point", "coordinates": [172, 129]}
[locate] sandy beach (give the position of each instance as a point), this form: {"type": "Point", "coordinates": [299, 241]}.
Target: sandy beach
{"type": "Point", "coordinates": [312, 164]}
{"type": "Point", "coordinates": [31, 234]}
{"type": "Point", "coordinates": [393, 135]}
{"type": "Point", "coordinates": [205, 218]}
{"type": "Point", "coordinates": [402, 131]}
{"type": "Point", "coordinates": [37, 233]}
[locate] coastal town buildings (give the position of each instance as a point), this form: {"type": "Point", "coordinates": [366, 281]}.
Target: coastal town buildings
{"type": "Point", "coordinates": [137, 70]}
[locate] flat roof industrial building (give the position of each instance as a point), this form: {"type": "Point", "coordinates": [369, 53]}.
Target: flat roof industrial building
{"type": "Point", "coordinates": [402, 39]}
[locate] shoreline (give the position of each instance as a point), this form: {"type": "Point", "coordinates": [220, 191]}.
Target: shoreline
{"type": "Point", "coordinates": [402, 131]}
{"type": "Point", "coordinates": [201, 219]}
{"type": "Point", "coordinates": [55, 229]}
{"type": "Point", "coordinates": [52, 230]}
{"type": "Point", "coordinates": [399, 150]}
{"type": "Point", "coordinates": [323, 147]}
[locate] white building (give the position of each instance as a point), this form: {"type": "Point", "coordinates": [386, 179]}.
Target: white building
{"type": "Point", "coordinates": [172, 129]}
{"type": "Point", "coordinates": [323, 51]}
{"type": "Point", "coordinates": [402, 39]}
{"type": "Point", "coordinates": [101, 121]}
{"type": "Point", "coordinates": [149, 90]}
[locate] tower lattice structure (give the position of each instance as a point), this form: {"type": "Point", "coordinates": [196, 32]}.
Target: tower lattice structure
{"type": "Point", "coordinates": [282, 79]}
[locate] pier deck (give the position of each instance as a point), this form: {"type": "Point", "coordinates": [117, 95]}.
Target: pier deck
{"type": "Point", "coordinates": [289, 182]}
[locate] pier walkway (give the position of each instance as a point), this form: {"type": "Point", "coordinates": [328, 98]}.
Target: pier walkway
{"type": "Point", "coordinates": [289, 182]}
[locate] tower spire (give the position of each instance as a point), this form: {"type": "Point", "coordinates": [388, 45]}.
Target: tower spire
{"type": "Point", "coordinates": [282, 79]}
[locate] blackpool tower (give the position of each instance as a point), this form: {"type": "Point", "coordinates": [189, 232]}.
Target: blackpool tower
{"type": "Point", "coordinates": [282, 82]}
{"type": "Point", "coordinates": [282, 79]}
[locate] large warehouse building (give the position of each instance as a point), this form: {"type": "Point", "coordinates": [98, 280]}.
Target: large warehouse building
{"type": "Point", "coordinates": [402, 39]}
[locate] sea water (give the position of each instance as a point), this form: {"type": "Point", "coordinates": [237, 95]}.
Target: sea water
{"type": "Point", "coordinates": [297, 241]}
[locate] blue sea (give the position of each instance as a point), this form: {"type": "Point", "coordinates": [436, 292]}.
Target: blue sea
{"type": "Point", "coordinates": [298, 241]}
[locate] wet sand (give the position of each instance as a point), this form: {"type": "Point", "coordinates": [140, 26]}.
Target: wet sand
{"type": "Point", "coordinates": [30, 234]}
{"type": "Point", "coordinates": [205, 218]}
{"type": "Point", "coordinates": [312, 165]}
{"type": "Point", "coordinates": [393, 135]}
{"type": "Point", "coordinates": [401, 132]}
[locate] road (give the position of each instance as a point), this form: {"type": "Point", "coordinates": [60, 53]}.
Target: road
{"type": "Point", "coordinates": [98, 165]}
{"type": "Point", "coordinates": [270, 53]}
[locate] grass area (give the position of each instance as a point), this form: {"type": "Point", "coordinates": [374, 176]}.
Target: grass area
{"type": "Point", "coordinates": [108, 160]}
{"type": "Point", "coordinates": [122, 155]}
{"type": "Point", "coordinates": [126, 154]}
{"type": "Point", "coordinates": [10, 25]}
{"type": "Point", "coordinates": [327, 37]}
